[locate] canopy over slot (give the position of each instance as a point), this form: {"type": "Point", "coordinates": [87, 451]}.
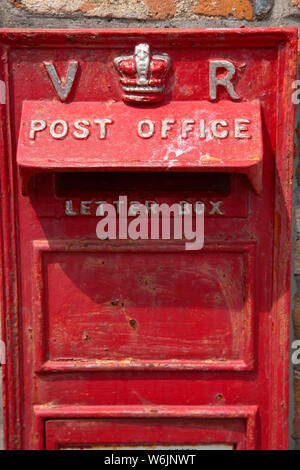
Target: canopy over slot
{"type": "Point", "coordinates": [192, 136]}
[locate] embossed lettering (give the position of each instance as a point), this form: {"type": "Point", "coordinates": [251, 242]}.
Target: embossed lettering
{"type": "Point", "coordinates": [63, 91]}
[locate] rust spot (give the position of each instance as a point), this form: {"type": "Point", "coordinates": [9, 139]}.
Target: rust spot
{"type": "Point", "coordinates": [71, 37]}
{"type": "Point", "coordinates": [220, 397]}
{"type": "Point", "coordinates": [133, 323]}
{"type": "Point", "coordinates": [148, 283]}
{"type": "Point", "coordinates": [86, 337]}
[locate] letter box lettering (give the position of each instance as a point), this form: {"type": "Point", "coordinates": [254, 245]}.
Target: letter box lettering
{"type": "Point", "coordinates": [146, 228]}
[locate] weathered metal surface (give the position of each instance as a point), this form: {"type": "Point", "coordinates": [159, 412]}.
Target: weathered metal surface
{"type": "Point", "coordinates": [166, 346]}
{"type": "Point", "coordinates": [193, 136]}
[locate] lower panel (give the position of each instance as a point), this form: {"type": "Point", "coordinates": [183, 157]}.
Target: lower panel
{"type": "Point", "coordinates": [145, 427]}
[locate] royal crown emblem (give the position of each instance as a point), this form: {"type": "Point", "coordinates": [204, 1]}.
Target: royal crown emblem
{"type": "Point", "coordinates": [143, 75]}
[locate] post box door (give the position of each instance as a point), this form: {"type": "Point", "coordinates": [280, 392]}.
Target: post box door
{"type": "Point", "coordinates": [134, 343]}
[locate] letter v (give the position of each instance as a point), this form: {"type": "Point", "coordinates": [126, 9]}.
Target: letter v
{"type": "Point", "coordinates": [63, 91]}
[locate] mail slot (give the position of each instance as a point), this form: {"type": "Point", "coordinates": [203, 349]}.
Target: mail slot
{"type": "Point", "coordinates": [131, 340]}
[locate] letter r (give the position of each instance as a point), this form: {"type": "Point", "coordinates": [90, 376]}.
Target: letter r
{"type": "Point", "coordinates": [225, 81]}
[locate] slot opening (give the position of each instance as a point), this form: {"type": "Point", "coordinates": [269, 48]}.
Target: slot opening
{"type": "Point", "coordinates": [82, 184]}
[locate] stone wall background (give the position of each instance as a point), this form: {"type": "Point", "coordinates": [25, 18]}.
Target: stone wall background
{"type": "Point", "coordinates": [177, 13]}
{"type": "Point", "coordinates": [140, 13]}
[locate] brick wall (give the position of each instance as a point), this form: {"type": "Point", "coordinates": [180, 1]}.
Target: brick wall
{"type": "Point", "coordinates": [149, 9]}
{"type": "Point", "coordinates": [171, 13]}
{"type": "Point", "coordinates": [108, 13]}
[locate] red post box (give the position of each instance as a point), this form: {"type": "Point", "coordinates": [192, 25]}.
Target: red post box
{"type": "Point", "coordinates": [130, 342]}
